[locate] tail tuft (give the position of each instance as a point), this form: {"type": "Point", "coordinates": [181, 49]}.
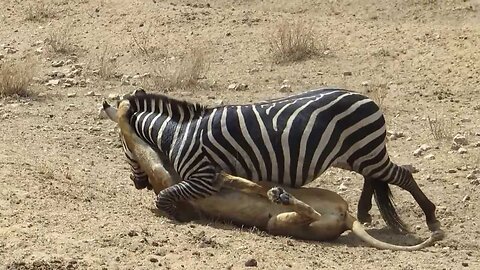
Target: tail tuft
{"type": "Point", "coordinates": [386, 205]}
{"type": "Point", "coordinates": [105, 105]}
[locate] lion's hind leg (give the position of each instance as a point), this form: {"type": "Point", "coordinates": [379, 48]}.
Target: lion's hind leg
{"type": "Point", "coordinates": [279, 196]}
{"type": "Point", "coordinates": [303, 222]}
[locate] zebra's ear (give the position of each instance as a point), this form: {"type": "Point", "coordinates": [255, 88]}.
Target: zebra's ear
{"type": "Point", "coordinates": [110, 111]}
{"type": "Point", "coordinates": [139, 92]}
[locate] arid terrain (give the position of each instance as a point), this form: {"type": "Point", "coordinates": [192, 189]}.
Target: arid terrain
{"type": "Point", "coordinates": [66, 200]}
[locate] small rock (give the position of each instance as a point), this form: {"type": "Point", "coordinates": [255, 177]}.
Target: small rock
{"type": "Point", "coordinates": [466, 198]}
{"type": "Point", "coordinates": [153, 259]}
{"type": "Point", "coordinates": [462, 150]}
{"type": "Point", "coordinates": [460, 139]}
{"type": "Point", "coordinates": [71, 95]}
{"type": "Point", "coordinates": [347, 73]}
{"type": "Point", "coordinates": [342, 187]}
{"type": "Point", "coordinates": [132, 233]}
{"type": "Point", "coordinates": [2, 56]}
{"type": "Point", "coordinates": [475, 182]}
{"type": "Point", "coordinates": [456, 185]}
{"type": "Point", "coordinates": [418, 152]}
{"type": "Point", "coordinates": [96, 72]}
{"type": "Point", "coordinates": [10, 50]}
{"type": "Point", "coordinates": [39, 50]}
{"type": "Point", "coordinates": [237, 87]}
{"type": "Point", "coordinates": [365, 83]}
{"type": "Point", "coordinates": [471, 176]}
{"type": "Point", "coordinates": [451, 171]}
{"type": "Point", "coordinates": [90, 94]}
{"type": "Point", "coordinates": [477, 144]}
{"type": "Point", "coordinates": [53, 82]}
{"type": "Point", "coordinates": [285, 88]}
{"type": "Point", "coordinates": [57, 63]}
{"type": "Point", "coordinates": [425, 147]}
{"type": "Point", "coordinates": [430, 157]}
{"type": "Point", "coordinates": [465, 264]}
{"type": "Point", "coordinates": [251, 263]}
{"type": "Point", "coordinates": [455, 146]}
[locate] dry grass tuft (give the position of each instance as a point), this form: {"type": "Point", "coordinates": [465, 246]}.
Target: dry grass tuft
{"type": "Point", "coordinates": [439, 128]}
{"type": "Point", "coordinates": [292, 42]}
{"type": "Point", "coordinates": [60, 41]}
{"type": "Point", "coordinates": [108, 65]}
{"type": "Point", "coordinates": [143, 43]}
{"type": "Point", "coordinates": [15, 78]}
{"type": "Point", "coordinates": [39, 11]}
{"type": "Point", "coordinates": [378, 93]}
{"type": "Point", "coordinates": [185, 74]}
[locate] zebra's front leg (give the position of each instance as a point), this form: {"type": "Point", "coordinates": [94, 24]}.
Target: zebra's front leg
{"type": "Point", "coordinates": [184, 191]}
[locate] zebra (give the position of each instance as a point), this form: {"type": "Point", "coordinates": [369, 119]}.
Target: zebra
{"type": "Point", "coordinates": [287, 141]}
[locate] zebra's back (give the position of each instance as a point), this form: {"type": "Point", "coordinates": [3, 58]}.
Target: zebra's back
{"type": "Point", "coordinates": [292, 140]}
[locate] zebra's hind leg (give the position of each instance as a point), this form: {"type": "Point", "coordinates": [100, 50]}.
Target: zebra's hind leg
{"type": "Point", "coordinates": [365, 202]}
{"type": "Point", "coordinates": [402, 177]}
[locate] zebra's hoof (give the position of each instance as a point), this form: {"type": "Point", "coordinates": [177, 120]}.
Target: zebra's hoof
{"type": "Point", "coordinates": [279, 196]}
{"type": "Point", "coordinates": [364, 218]}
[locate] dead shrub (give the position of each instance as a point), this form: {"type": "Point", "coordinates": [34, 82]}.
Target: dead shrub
{"type": "Point", "coordinates": [60, 41]}
{"type": "Point", "coordinates": [291, 42]}
{"type": "Point", "coordinates": [39, 11]}
{"type": "Point", "coordinates": [184, 74]}
{"type": "Point", "coordinates": [15, 78]}
{"type": "Point", "coordinates": [378, 93]}
{"type": "Point", "coordinates": [143, 43]}
{"type": "Point", "coordinates": [107, 66]}
{"type": "Point", "coordinates": [439, 128]}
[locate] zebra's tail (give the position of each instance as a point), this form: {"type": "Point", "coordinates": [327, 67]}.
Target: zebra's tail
{"type": "Point", "coordinates": [386, 205]}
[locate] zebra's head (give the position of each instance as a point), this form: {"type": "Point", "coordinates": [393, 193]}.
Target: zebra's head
{"type": "Point", "coordinates": [138, 175]}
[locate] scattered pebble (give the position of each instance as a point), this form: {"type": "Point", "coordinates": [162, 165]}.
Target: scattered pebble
{"type": "Point", "coordinates": [460, 139]}
{"type": "Point", "coordinates": [71, 95]}
{"type": "Point", "coordinates": [365, 83]}
{"type": "Point", "coordinates": [430, 157]}
{"type": "Point", "coordinates": [456, 185]}
{"type": "Point", "coordinates": [347, 73]}
{"type": "Point", "coordinates": [57, 63]}
{"type": "Point", "coordinates": [53, 82]}
{"type": "Point", "coordinates": [90, 94]}
{"type": "Point", "coordinates": [462, 150]}
{"type": "Point", "coordinates": [451, 171]}
{"type": "Point", "coordinates": [466, 198]}
{"type": "Point", "coordinates": [2, 56]}
{"type": "Point", "coordinates": [237, 87]}
{"type": "Point", "coordinates": [251, 263]}
{"type": "Point", "coordinates": [132, 233]}
{"type": "Point", "coordinates": [286, 88]}
{"type": "Point", "coordinates": [475, 182]}
{"type": "Point", "coordinates": [153, 259]}
{"type": "Point", "coordinates": [471, 176]}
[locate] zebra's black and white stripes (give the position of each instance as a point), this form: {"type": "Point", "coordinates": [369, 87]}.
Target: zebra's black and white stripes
{"type": "Point", "coordinates": [290, 141]}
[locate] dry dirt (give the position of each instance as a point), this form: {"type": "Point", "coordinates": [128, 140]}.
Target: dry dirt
{"type": "Point", "coordinates": [66, 201]}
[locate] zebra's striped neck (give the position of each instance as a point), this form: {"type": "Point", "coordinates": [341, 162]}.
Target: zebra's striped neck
{"type": "Point", "coordinates": [169, 124]}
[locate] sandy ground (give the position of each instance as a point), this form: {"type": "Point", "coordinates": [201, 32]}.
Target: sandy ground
{"type": "Point", "coordinates": [65, 198]}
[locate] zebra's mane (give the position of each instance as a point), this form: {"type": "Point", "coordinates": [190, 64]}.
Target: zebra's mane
{"type": "Point", "coordinates": [160, 100]}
